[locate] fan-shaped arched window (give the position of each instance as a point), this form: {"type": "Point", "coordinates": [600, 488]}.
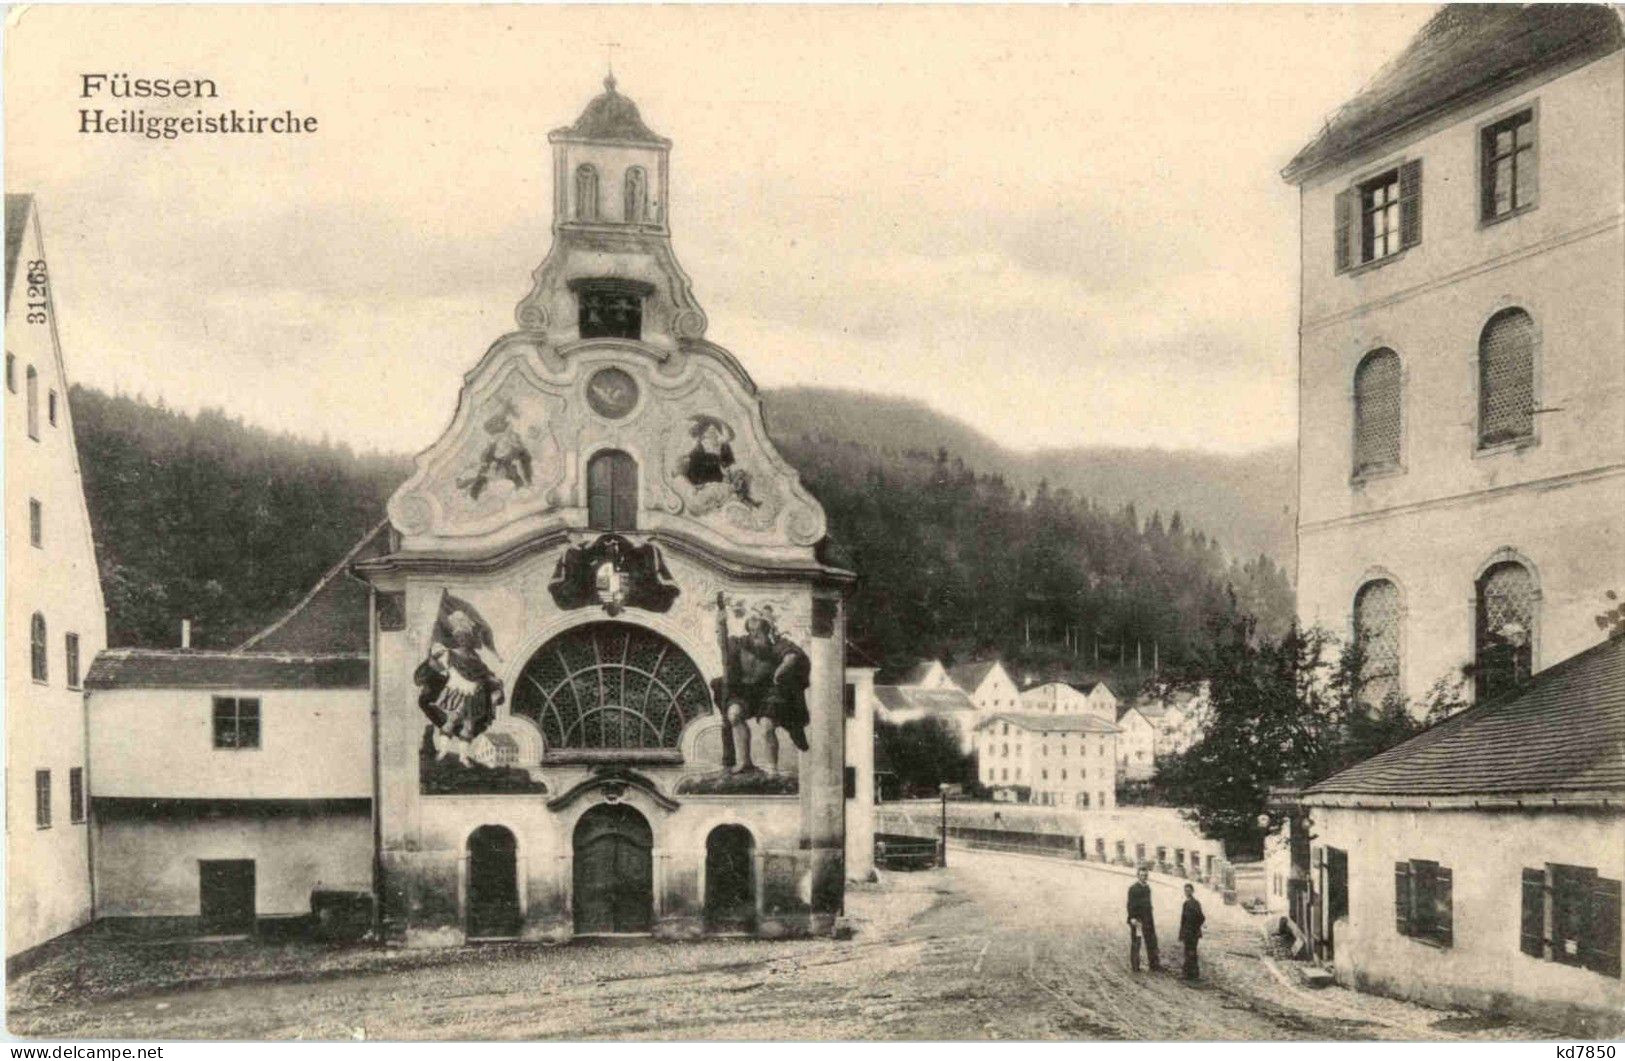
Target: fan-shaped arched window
{"type": "Point", "coordinates": [1377, 394]}
{"type": "Point", "coordinates": [636, 194]}
{"type": "Point", "coordinates": [38, 659]}
{"type": "Point", "coordinates": [1376, 626]}
{"type": "Point", "coordinates": [611, 685]}
{"type": "Point", "coordinates": [586, 193]}
{"type": "Point", "coordinates": [1504, 653]}
{"type": "Point", "coordinates": [33, 402]}
{"type": "Point", "coordinates": [612, 491]}
{"type": "Point", "coordinates": [1506, 378]}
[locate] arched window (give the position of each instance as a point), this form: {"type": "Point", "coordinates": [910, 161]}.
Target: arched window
{"type": "Point", "coordinates": [636, 194]}
{"type": "Point", "coordinates": [33, 402]}
{"type": "Point", "coordinates": [1376, 412]}
{"type": "Point", "coordinates": [586, 193]}
{"type": "Point", "coordinates": [1376, 627]}
{"type": "Point", "coordinates": [1506, 378]}
{"type": "Point", "coordinates": [36, 648]}
{"type": "Point", "coordinates": [611, 685]}
{"type": "Point", "coordinates": [612, 491]}
{"type": "Point", "coordinates": [1504, 652]}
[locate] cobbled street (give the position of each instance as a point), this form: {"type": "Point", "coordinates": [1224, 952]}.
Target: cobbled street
{"type": "Point", "coordinates": [997, 946]}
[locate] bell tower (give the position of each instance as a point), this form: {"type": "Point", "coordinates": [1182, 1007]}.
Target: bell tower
{"type": "Point", "coordinates": [611, 272]}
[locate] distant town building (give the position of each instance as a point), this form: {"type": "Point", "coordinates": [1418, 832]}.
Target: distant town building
{"type": "Point", "coordinates": [1057, 697]}
{"type": "Point", "coordinates": [1064, 760]}
{"type": "Point", "coordinates": [1462, 391]}
{"type": "Point", "coordinates": [987, 683]}
{"type": "Point", "coordinates": [897, 704]}
{"type": "Point", "coordinates": [1136, 744]}
{"type": "Point", "coordinates": [55, 621]}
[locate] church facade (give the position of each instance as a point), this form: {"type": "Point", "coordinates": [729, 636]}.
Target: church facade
{"type": "Point", "coordinates": [602, 654]}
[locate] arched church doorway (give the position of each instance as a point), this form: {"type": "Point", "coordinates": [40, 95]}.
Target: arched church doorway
{"type": "Point", "coordinates": [493, 883]}
{"type": "Point", "coordinates": [730, 879]}
{"type": "Point", "coordinates": [614, 871]}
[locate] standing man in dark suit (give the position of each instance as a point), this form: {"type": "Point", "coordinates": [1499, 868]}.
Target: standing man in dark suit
{"type": "Point", "coordinates": [1142, 922]}
{"type": "Point", "coordinates": [1191, 920]}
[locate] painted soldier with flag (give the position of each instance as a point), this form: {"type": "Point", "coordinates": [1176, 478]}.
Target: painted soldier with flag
{"type": "Point", "coordinates": [457, 690]}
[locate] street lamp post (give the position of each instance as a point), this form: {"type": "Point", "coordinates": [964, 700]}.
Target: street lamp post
{"type": "Point", "coordinates": [942, 853]}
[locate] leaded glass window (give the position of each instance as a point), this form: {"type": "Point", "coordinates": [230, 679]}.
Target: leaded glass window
{"type": "Point", "coordinates": [611, 685]}
{"type": "Point", "coordinates": [1376, 625]}
{"type": "Point", "coordinates": [1506, 628]}
{"type": "Point", "coordinates": [1377, 412]}
{"type": "Point", "coordinates": [1506, 378]}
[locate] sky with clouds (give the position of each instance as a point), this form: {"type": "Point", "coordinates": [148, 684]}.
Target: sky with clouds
{"type": "Point", "coordinates": [1063, 225]}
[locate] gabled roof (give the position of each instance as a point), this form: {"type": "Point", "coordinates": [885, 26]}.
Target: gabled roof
{"type": "Point", "coordinates": [17, 207]}
{"type": "Point", "coordinates": [332, 617]}
{"type": "Point", "coordinates": [930, 701]}
{"type": "Point", "coordinates": [969, 676]}
{"type": "Point", "coordinates": [612, 116]}
{"type": "Point", "coordinates": [1465, 53]}
{"type": "Point", "coordinates": [1563, 732]}
{"type": "Point", "coordinates": [1036, 722]}
{"type": "Point", "coordinates": [145, 668]}
{"type": "Point", "coordinates": [914, 674]}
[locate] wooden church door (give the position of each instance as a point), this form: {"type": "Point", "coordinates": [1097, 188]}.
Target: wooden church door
{"type": "Point", "coordinates": [614, 871]}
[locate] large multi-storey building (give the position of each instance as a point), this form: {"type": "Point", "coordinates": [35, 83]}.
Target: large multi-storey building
{"type": "Point", "coordinates": [1063, 760]}
{"type": "Point", "coordinates": [54, 617]}
{"type": "Point", "coordinates": [1462, 350]}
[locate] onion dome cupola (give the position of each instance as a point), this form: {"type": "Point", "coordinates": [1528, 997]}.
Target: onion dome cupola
{"type": "Point", "coordinates": [611, 272]}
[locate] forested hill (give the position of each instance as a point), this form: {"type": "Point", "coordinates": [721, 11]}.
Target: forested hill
{"type": "Point", "coordinates": [206, 518]}
{"type": "Point", "coordinates": [1247, 502]}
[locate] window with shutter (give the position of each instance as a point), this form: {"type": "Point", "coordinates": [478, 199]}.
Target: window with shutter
{"type": "Point", "coordinates": [1381, 215]}
{"type": "Point", "coordinates": [1402, 897]}
{"type": "Point", "coordinates": [1532, 925]}
{"type": "Point", "coordinates": [1506, 378]}
{"type": "Point", "coordinates": [1504, 654]}
{"type": "Point", "coordinates": [1377, 395]}
{"type": "Point", "coordinates": [1343, 230]}
{"type": "Point", "coordinates": [1507, 166]}
{"type": "Point", "coordinates": [1376, 627]}
{"type": "Point", "coordinates": [1443, 932]}
{"type": "Point", "coordinates": [1599, 948]}
{"type": "Point", "coordinates": [1572, 888]}
{"type": "Point", "coordinates": [1410, 203]}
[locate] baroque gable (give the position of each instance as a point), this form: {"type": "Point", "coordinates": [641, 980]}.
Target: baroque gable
{"type": "Point", "coordinates": [532, 416]}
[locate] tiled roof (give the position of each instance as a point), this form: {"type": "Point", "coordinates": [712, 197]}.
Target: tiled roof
{"type": "Point", "coordinates": [969, 676]}
{"type": "Point", "coordinates": [17, 207]}
{"type": "Point", "coordinates": [1036, 722]}
{"type": "Point", "coordinates": [612, 116]}
{"type": "Point", "coordinates": [144, 668]}
{"type": "Point", "coordinates": [1563, 732]}
{"type": "Point", "coordinates": [332, 617]}
{"type": "Point", "coordinates": [931, 701]}
{"type": "Point", "coordinates": [1463, 54]}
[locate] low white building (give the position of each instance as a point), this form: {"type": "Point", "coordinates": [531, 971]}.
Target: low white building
{"type": "Point", "coordinates": [226, 787]}
{"type": "Point", "coordinates": [1479, 863]}
{"type": "Point", "coordinates": [1065, 760]}
{"type": "Point", "coordinates": [898, 704]}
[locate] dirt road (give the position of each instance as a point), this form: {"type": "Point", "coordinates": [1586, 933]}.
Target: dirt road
{"type": "Point", "coordinates": [997, 946]}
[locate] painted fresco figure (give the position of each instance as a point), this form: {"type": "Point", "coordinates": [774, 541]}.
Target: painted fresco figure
{"type": "Point", "coordinates": [1142, 921]}
{"type": "Point", "coordinates": [764, 688]}
{"type": "Point", "coordinates": [710, 467]}
{"type": "Point", "coordinates": [505, 456]}
{"type": "Point", "coordinates": [457, 690]}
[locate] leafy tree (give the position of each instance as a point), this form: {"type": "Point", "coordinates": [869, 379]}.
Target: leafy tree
{"type": "Point", "coordinates": [924, 753]}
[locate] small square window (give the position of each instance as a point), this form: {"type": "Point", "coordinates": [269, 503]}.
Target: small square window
{"type": "Point", "coordinates": [236, 722]}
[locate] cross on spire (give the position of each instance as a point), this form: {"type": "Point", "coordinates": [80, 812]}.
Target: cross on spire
{"type": "Point", "coordinates": [609, 63]}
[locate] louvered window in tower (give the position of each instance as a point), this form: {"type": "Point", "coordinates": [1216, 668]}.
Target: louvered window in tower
{"type": "Point", "coordinates": [612, 491]}
{"type": "Point", "coordinates": [1376, 626]}
{"type": "Point", "coordinates": [1377, 413]}
{"type": "Point", "coordinates": [586, 193]}
{"type": "Point", "coordinates": [1506, 378]}
{"type": "Point", "coordinates": [1504, 652]}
